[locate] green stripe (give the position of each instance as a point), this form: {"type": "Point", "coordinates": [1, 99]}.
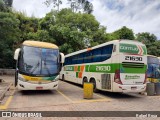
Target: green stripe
{"type": "Point", "coordinates": [79, 68]}
{"type": "Point", "coordinates": [111, 68]}
{"type": "Point", "coordinates": [77, 74]}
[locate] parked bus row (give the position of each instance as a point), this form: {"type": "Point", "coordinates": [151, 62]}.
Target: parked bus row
{"type": "Point", "coordinates": [115, 66]}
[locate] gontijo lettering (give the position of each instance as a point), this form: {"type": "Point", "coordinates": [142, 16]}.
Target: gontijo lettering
{"type": "Point", "coordinates": [129, 48]}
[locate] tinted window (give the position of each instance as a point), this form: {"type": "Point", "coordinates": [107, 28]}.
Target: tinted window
{"type": "Point", "coordinates": [88, 57]}
{"type": "Point", "coordinates": [80, 58]}
{"type": "Point", "coordinates": [106, 52]}
{"type": "Point", "coordinates": [96, 55]}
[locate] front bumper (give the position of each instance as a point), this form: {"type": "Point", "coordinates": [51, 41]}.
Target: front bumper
{"type": "Point", "coordinates": [33, 86]}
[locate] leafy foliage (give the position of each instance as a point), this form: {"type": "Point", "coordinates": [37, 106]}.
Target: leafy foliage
{"type": "Point", "coordinates": [152, 44]}
{"type": "Point", "coordinates": [81, 5]}
{"type": "Point", "coordinates": [124, 33]}
{"type": "Point", "coordinates": [71, 31]}
{"type": "Point", "coordinates": [9, 34]}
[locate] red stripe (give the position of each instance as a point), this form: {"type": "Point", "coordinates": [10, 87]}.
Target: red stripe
{"type": "Point", "coordinates": [140, 49]}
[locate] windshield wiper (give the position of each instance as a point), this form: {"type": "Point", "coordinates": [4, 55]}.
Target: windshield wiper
{"type": "Point", "coordinates": [47, 68]}
{"type": "Point", "coordinates": [35, 67]}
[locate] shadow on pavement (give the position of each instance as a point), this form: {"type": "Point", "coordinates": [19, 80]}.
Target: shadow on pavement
{"type": "Point", "coordinates": [37, 92]}
{"type": "Point", "coordinates": [115, 95]}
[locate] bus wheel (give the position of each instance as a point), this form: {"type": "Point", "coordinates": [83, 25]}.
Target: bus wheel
{"type": "Point", "coordinates": [63, 78]}
{"type": "Point", "coordinates": [94, 85]}
{"type": "Point", "coordinates": [16, 79]}
{"type": "Point", "coordinates": [84, 80]}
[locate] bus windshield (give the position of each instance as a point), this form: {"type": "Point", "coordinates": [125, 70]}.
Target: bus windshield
{"type": "Point", "coordinates": [38, 61]}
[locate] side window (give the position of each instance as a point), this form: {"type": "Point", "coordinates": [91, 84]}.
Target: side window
{"type": "Point", "coordinates": [74, 59]}
{"type": "Point", "coordinates": [96, 55]}
{"type": "Point", "coordinates": [80, 58]}
{"type": "Point", "coordinates": [65, 63]}
{"type": "Point", "coordinates": [88, 57]}
{"type": "Point", "coordinates": [106, 52]}
{"type": "Point", "coordinates": [69, 61]}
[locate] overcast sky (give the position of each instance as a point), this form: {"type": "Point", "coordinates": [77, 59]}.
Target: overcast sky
{"type": "Point", "coordinates": [139, 15]}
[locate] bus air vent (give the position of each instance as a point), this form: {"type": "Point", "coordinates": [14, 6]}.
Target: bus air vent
{"type": "Point", "coordinates": [106, 81]}
{"type": "Point", "coordinates": [132, 65]}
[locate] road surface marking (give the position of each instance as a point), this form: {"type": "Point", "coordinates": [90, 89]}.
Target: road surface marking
{"type": "Point", "coordinates": [103, 97]}
{"type": "Point", "coordinates": [5, 106]}
{"type": "Point", "coordinates": [89, 101]}
{"type": "Point", "coordinates": [64, 96]}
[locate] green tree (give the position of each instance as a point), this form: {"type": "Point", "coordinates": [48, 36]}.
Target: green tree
{"type": "Point", "coordinates": [3, 7]}
{"type": "Point", "coordinates": [56, 3]}
{"type": "Point", "coordinates": [154, 48]}
{"type": "Point", "coordinates": [151, 42]}
{"type": "Point", "coordinates": [27, 25]}
{"type": "Point", "coordinates": [75, 29]}
{"type": "Point", "coordinates": [9, 34]}
{"type": "Point", "coordinates": [81, 5]}
{"type": "Point", "coordinates": [146, 37]}
{"type": "Point", "coordinates": [8, 3]}
{"type": "Point", "coordinates": [47, 21]}
{"type": "Point", "coordinates": [124, 33]}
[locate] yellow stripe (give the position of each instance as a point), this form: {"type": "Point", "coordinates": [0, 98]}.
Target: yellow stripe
{"type": "Point", "coordinates": [88, 101]}
{"type": "Point", "coordinates": [65, 96]}
{"type": "Point", "coordinates": [5, 106]}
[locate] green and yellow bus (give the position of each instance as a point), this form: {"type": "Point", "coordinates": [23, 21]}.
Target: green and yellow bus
{"type": "Point", "coordinates": [37, 66]}
{"type": "Point", "coordinates": [115, 66]}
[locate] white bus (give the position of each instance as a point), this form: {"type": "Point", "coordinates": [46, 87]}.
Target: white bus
{"type": "Point", "coordinates": [37, 66]}
{"type": "Point", "coordinates": [115, 66]}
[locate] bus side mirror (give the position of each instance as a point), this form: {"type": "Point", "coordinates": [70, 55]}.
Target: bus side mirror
{"type": "Point", "coordinates": [62, 58]}
{"type": "Point", "coordinates": [16, 53]}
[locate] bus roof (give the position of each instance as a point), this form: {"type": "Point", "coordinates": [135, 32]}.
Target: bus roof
{"type": "Point", "coordinates": [151, 56]}
{"type": "Point", "coordinates": [40, 44]}
{"type": "Point", "coordinates": [106, 43]}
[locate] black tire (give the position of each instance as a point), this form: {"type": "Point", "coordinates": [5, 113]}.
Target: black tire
{"type": "Point", "coordinates": [16, 79]}
{"type": "Point", "coordinates": [84, 80]}
{"type": "Point", "coordinates": [94, 85]}
{"type": "Point", "coordinates": [63, 79]}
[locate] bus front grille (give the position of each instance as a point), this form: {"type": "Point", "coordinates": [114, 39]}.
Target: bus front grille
{"type": "Point", "coordinates": [106, 81]}
{"type": "Point", "coordinates": [132, 65]}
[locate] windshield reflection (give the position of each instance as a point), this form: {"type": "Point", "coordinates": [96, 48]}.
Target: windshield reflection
{"type": "Point", "coordinates": [39, 61]}
{"type": "Point", "coordinates": [153, 67]}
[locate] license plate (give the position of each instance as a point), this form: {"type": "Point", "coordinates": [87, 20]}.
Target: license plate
{"type": "Point", "coordinates": [133, 88]}
{"type": "Point", "coordinates": [39, 88]}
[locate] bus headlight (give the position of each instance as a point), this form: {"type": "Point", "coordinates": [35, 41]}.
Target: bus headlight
{"type": "Point", "coordinates": [54, 80]}
{"type": "Point", "coordinates": [22, 79]}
